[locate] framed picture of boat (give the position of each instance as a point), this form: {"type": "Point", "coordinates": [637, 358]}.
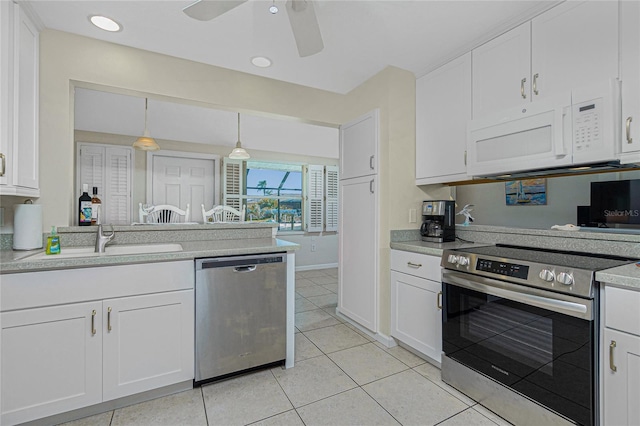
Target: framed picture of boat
{"type": "Point", "coordinates": [527, 192]}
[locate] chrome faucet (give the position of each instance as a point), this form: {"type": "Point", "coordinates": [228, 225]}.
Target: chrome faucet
{"type": "Point", "coordinates": [102, 239]}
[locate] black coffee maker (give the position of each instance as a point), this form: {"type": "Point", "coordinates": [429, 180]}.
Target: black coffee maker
{"type": "Point", "coordinates": [438, 223]}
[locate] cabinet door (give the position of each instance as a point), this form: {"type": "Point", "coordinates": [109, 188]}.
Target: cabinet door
{"type": "Point", "coordinates": [621, 387]}
{"type": "Point", "coordinates": [574, 44]}
{"type": "Point", "coordinates": [6, 89]}
{"type": "Point", "coordinates": [502, 72]}
{"type": "Point", "coordinates": [443, 108]}
{"type": "Point", "coordinates": [359, 146]}
{"type": "Point", "coordinates": [25, 127]}
{"type": "Point", "coordinates": [51, 360]}
{"type": "Point", "coordinates": [148, 342]}
{"type": "Point", "coordinates": [358, 277]}
{"type": "Point", "coordinates": [630, 74]}
{"type": "Point", "coordinates": [416, 316]}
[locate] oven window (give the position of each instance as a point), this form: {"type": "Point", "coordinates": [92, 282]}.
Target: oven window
{"type": "Point", "coordinates": [542, 354]}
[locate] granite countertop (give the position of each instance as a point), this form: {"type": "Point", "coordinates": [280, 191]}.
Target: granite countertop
{"type": "Point", "coordinates": [433, 249]}
{"type": "Point", "coordinates": [626, 276]}
{"type": "Point", "coordinates": [18, 261]}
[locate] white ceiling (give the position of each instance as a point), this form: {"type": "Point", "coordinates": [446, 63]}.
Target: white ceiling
{"type": "Point", "coordinates": [361, 37]}
{"type": "Point", "coordinates": [119, 114]}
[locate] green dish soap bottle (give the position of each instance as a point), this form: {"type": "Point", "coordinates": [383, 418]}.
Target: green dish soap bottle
{"type": "Point", "coordinates": [53, 242]}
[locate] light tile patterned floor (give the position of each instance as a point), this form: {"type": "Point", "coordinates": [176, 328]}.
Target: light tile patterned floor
{"type": "Point", "coordinates": [341, 377]}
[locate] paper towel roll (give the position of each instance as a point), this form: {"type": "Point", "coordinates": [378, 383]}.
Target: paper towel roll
{"type": "Point", "coordinates": [27, 226]}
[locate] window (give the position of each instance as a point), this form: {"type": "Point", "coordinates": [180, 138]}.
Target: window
{"type": "Point", "coordinates": [292, 195]}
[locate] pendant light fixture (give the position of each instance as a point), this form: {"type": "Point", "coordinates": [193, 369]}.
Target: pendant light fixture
{"type": "Point", "coordinates": [146, 142]}
{"type": "Point", "coordinates": [239, 153]}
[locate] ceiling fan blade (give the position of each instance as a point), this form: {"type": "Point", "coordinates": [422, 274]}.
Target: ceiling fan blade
{"type": "Point", "coordinates": [305, 27]}
{"type": "Point", "coordinates": [206, 10]}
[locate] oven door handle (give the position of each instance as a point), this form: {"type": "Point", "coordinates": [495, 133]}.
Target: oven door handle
{"type": "Point", "coordinates": [573, 307]}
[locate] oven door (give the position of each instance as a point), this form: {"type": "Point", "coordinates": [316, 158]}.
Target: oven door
{"type": "Point", "coordinates": [538, 343]}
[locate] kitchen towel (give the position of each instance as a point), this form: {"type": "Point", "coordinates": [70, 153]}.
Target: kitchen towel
{"type": "Point", "coordinates": [27, 226]}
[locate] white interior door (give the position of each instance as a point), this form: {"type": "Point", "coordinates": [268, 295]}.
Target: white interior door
{"type": "Point", "coordinates": [180, 179]}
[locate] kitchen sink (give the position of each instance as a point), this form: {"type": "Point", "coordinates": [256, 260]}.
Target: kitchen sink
{"type": "Point", "coordinates": [123, 250]}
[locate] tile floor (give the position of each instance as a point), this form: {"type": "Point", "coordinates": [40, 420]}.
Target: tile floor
{"type": "Point", "coordinates": [341, 377]}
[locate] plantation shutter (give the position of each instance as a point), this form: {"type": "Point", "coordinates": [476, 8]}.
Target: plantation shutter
{"type": "Point", "coordinates": [331, 198]}
{"type": "Point", "coordinates": [233, 183]}
{"type": "Point", "coordinates": [109, 168]}
{"type": "Point", "coordinates": [314, 198]}
{"type": "Point", "coordinates": [116, 207]}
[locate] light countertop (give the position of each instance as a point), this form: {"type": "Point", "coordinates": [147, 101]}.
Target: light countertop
{"type": "Point", "coordinates": [626, 276]}
{"type": "Point", "coordinates": [433, 249]}
{"type": "Point", "coordinates": [18, 261]}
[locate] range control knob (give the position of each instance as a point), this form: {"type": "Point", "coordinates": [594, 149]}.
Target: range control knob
{"type": "Point", "coordinates": [452, 259]}
{"type": "Point", "coordinates": [565, 278]}
{"type": "Point", "coordinates": [463, 261]}
{"type": "Point", "coordinates": [547, 275]}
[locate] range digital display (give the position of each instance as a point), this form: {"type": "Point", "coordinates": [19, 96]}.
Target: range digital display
{"type": "Point", "coordinates": [503, 268]}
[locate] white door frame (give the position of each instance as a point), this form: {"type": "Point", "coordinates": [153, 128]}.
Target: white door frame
{"type": "Point", "coordinates": [182, 154]}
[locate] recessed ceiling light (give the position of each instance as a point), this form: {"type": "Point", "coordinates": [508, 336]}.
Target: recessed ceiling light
{"type": "Point", "coordinates": [261, 61]}
{"type": "Point", "coordinates": [105, 23]}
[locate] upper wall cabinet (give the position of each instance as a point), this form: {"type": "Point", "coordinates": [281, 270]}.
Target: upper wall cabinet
{"type": "Point", "coordinates": [19, 42]}
{"type": "Point", "coordinates": [358, 147]}
{"type": "Point", "coordinates": [630, 74]}
{"type": "Point", "coordinates": [572, 45]}
{"type": "Point", "coordinates": [443, 108]}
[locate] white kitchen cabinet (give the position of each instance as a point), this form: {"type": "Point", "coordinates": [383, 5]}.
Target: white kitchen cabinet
{"type": "Point", "coordinates": [358, 284]}
{"type": "Point", "coordinates": [19, 39]}
{"type": "Point", "coordinates": [622, 386]}
{"type": "Point", "coordinates": [443, 108]}
{"type": "Point", "coordinates": [61, 353]}
{"type": "Point", "coordinates": [51, 360]}
{"type": "Point", "coordinates": [359, 146]}
{"type": "Point", "coordinates": [358, 242]}
{"type": "Point", "coordinates": [620, 365]}
{"type": "Point", "coordinates": [572, 45]}
{"type": "Point", "coordinates": [416, 304]}
{"type": "Point", "coordinates": [630, 74]}
{"type": "Point", "coordinates": [148, 342]}
{"type": "Point", "coordinates": [502, 72]}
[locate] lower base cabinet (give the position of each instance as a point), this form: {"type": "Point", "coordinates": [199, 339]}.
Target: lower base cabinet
{"type": "Point", "coordinates": [64, 357]}
{"type": "Point", "coordinates": [416, 315]}
{"type": "Point", "coordinates": [621, 378]}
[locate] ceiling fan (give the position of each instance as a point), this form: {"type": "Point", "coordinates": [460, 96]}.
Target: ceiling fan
{"type": "Point", "coordinates": [302, 18]}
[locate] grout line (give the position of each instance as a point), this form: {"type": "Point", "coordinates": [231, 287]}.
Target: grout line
{"type": "Point", "coordinates": [460, 412]}
{"type": "Point", "coordinates": [204, 406]}
{"type": "Point", "coordinates": [113, 413]}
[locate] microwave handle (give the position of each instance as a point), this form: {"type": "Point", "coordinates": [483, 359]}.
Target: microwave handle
{"type": "Point", "coordinates": [558, 140]}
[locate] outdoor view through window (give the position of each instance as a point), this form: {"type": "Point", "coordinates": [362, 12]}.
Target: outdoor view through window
{"type": "Point", "coordinates": [274, 194]}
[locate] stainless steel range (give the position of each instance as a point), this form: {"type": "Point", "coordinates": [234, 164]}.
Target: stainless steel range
{"type": "Point", "coordinates": [520, 331]}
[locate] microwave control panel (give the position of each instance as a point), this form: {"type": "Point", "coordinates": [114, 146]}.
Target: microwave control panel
{"type": "Point", "coordinates": [587, 125]}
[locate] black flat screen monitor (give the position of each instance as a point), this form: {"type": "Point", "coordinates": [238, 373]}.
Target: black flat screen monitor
{"type": "Point", "coordinates": [616, 203]}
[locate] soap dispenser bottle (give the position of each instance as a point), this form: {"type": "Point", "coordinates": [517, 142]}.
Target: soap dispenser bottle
{"type": "Point", "coordinates": [53, 242]}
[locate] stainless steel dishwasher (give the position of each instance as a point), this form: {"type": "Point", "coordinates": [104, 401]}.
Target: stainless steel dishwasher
{"type": "Point", "coordinates": [241, 313]}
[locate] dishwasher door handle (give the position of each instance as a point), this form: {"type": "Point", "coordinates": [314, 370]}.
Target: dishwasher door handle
{"type": "Point", "coordinates": [249, 268]}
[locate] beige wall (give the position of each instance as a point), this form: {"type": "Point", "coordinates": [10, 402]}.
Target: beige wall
{"type": "Point", "coordinates": [67, 58]}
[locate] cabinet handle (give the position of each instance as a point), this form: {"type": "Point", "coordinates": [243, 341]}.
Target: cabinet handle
{"type": "Point", "coordinates": [371, 186]}
{"type": "Point", "coordinates": [4, 165]}
{"type": "Point", "coordinates": [439, 300]}
{"type": "Point", "coordinates": [522, 82]}
{"type": "Point", "coordinates": [465, 157]}
{"type": "Point", "coordinates": [535, 84]}
{"type": "Point", "coordinates": [371, 162]}
{"type": "Point", "coordinates": [628, 125]}
{"type": "Point", "coordinates": [109, 318]}
{"type": "Point", "coordinates": [414, 265]}
{"type": "Point", "coordinates": [612, 346]}
{"type": "Point", "coordinates": [93, 322]}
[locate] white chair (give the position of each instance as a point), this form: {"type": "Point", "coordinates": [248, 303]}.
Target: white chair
{"type": "Point", "coordinates": [222, 214]}
{"type": "Point", "coordinates": [163, 213]}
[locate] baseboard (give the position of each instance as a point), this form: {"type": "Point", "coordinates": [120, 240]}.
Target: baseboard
{"type": "Point", "coordinates": [388, 341]}
{"type": "Point", "coordinates": [314, 267]}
